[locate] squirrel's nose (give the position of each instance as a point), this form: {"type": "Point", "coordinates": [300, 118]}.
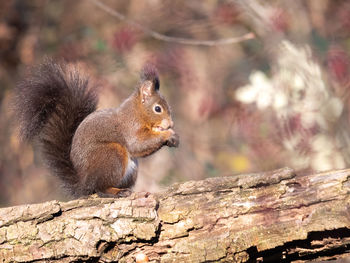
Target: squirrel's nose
{"type": "Point", "coordinates": [167, 124]}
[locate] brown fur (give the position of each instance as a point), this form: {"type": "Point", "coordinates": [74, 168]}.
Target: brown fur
{"type": "Point", "coordinates": [123, 152]}
{"type": "Point", "coordinates": [92, 151]}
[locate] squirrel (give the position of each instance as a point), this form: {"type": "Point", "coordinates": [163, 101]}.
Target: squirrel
{"type": "Point", "coordinates": [90, 150]}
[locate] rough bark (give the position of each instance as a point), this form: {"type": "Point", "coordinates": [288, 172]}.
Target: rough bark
{"type": "Point", "coordinates": [270, 216]}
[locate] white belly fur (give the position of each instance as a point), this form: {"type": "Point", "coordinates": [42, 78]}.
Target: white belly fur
{"type": "Point", "coordinates": [130, 170]}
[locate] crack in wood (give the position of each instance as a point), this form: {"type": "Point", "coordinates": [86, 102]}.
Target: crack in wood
{"type": "Point", "coordinates": [304, 249]}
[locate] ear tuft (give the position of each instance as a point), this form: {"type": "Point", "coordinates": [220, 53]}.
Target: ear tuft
{"type": "Point", "coordinates": [150, 73]}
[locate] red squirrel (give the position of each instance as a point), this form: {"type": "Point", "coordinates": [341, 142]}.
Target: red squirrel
{"type": "Point", "coordinates": [91, 151]}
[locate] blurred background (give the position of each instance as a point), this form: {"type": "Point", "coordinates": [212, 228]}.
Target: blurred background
{"type": "Point", "coordinates": [270, 88]}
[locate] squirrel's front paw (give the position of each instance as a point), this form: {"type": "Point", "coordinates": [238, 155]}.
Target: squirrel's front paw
{"type": "Point", "coordinates": [173, 141]}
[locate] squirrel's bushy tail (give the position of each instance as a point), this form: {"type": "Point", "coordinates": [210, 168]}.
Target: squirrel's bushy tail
{"type": "Point", "coordinates": [49, 105]}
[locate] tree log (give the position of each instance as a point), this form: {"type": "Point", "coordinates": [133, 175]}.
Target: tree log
{"type": "Point", "coordinates": [270, 216]}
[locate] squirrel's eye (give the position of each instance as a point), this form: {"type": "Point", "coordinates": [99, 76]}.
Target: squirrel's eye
{"type": "Point", "coordinates": [158, 109]}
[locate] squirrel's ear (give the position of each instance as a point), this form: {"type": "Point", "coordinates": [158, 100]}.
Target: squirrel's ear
{"type": "Point", "coordinates": [149, 82]}
{"type": "Point", "coordinates": [147, 89]}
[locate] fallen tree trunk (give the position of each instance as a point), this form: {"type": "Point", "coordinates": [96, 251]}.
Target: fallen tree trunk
{"type": "Point", "coordinates": [271, 216]}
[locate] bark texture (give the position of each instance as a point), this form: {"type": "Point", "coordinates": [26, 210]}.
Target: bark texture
{"type": "Point", "coordinates": [271, 216]}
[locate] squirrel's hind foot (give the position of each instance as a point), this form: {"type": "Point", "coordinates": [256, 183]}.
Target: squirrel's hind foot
{"type": "Point", "coordinates": [114, 192]}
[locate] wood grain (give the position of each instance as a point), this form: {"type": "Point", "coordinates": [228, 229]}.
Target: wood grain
{"type": "Point", "coordinates": [265, 217]}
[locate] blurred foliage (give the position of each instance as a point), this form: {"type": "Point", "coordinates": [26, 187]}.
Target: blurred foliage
{"type": "Point", "coordinates": [280, 99]}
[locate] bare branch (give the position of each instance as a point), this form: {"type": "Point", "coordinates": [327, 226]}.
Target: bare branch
{"type": "Point", "coordinates": [179, 40]}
